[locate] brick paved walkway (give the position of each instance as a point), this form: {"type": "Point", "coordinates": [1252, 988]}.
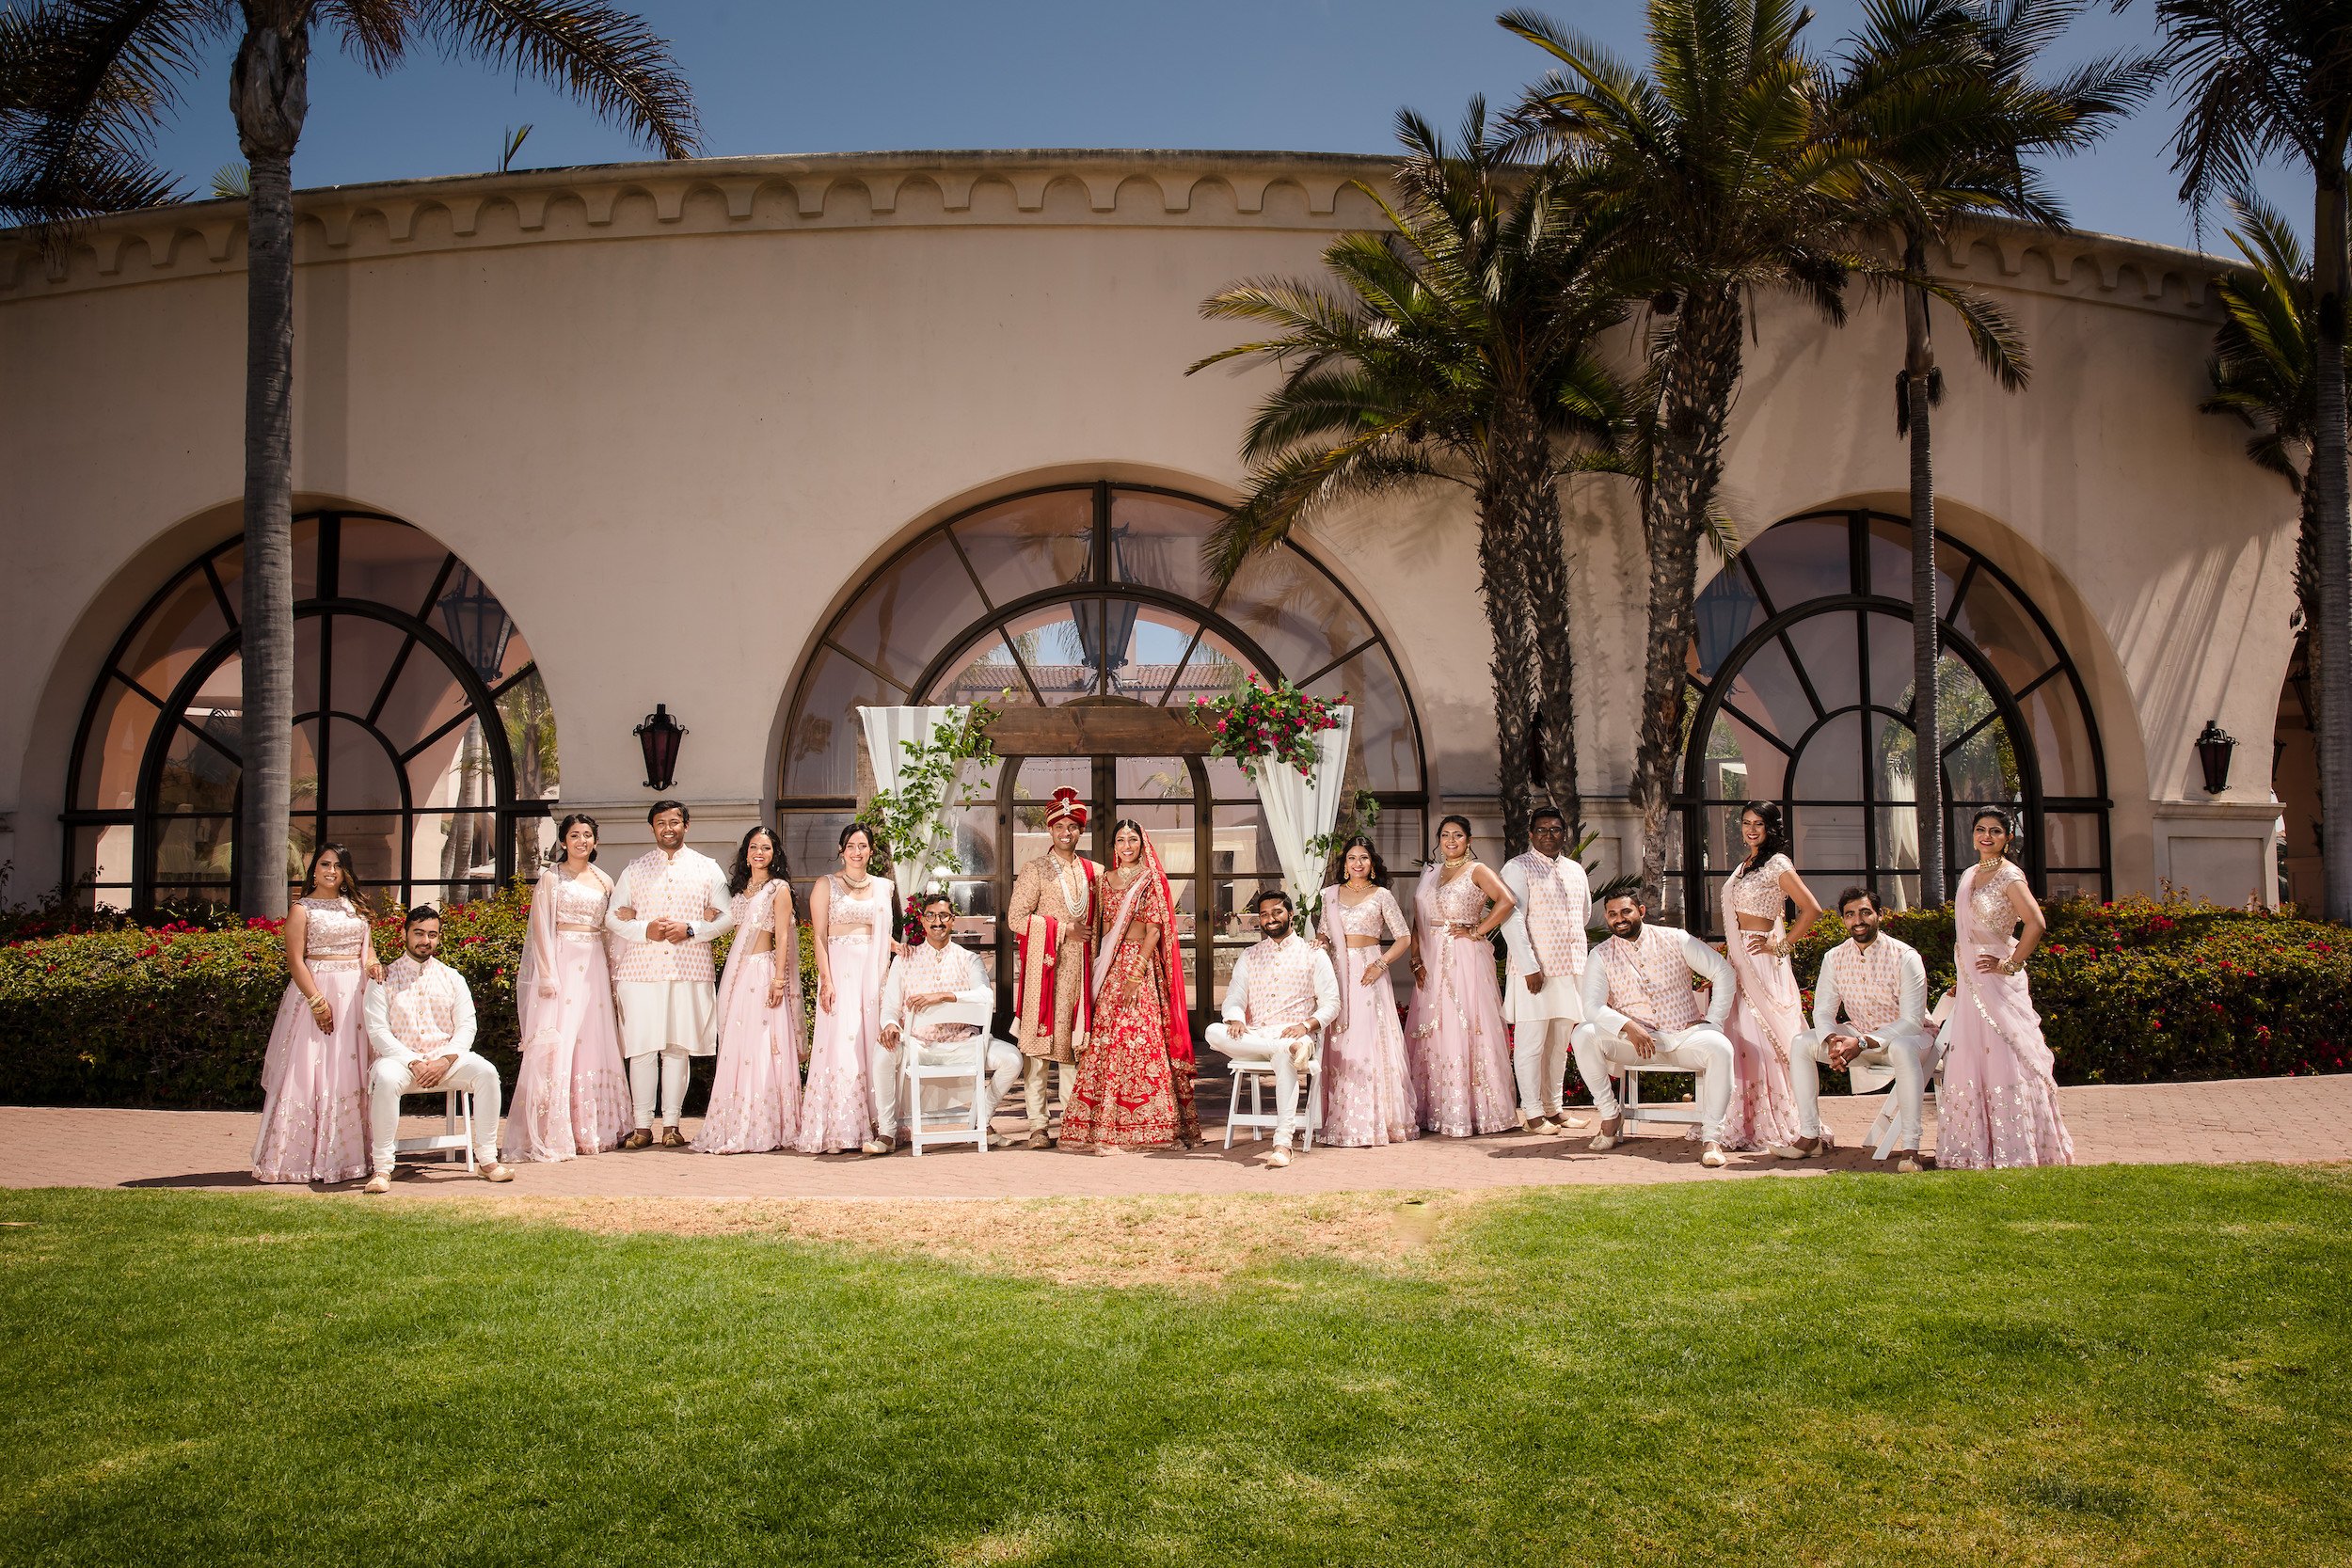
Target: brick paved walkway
{"type": "Point", "coordinates": [2287, 1119]}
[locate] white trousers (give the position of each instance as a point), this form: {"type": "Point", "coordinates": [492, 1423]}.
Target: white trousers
{"type": "Point", "coordinates": [1698, 1050]}
{"type": "Point", "coordinates": [1540, 1060]}
{"type": "Point", "coordinates": [1033, 1074]}
{"type": "Point", "coordinates": [392, 1077]}
{"type": "Point", "coordinates": [676, 1065]}
{"type": "Point", "coordinates": [1003, 1067]}
{"type": "Point", "coordinates": [1903, 1050]}
{"type": "Point", "coordinates": [1279, 1051]}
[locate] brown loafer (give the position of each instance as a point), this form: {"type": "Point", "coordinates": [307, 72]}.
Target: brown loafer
{"type": "Point", "coordinates": [1041, 1139]}
{"type": "Point", "coordinates": [638, 1138]}
{"type": "Point", "coordinates": [672, 1138]}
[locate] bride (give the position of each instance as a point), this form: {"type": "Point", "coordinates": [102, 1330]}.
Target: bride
{"type": "Point", "coordinates": [1127, 1094]}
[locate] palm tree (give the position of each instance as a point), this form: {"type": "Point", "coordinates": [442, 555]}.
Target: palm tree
{"type": "Point", "coordinates": [1456, 346]}
{"type": "Point", "coordinates": [1948, 90]}
{"type": "Point", "coordinates": [2262, 375]}
{"type": "Point", "coordinates": [89, 81]}
{"type": "Point", "coordinates": [2259, 80]}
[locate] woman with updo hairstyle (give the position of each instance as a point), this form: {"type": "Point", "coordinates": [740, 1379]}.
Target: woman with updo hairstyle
{"type": "Point", "coordinates": [1366, 1079]}
{"type": "Point", "coordinates": [1996, 1094]}
{"type": "Point", "coordinates": [853, 917]}
{"type": "Point", "coordinates": [571, 1094]}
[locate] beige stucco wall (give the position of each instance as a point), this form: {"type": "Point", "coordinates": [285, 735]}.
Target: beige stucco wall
{"type": "Point", "coordinates": [672, 413]}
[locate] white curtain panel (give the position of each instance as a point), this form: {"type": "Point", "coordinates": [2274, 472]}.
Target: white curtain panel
{"type": "Point", "coordinates": [887, 729]}
{"type": "Point", "coordinates": [1300, 810]}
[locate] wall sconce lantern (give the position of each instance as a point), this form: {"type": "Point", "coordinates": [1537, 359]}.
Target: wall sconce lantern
{"type": "Point", "coordinates": [2214, 747]}
{"type": "Point", "coordinates": [659, 738]}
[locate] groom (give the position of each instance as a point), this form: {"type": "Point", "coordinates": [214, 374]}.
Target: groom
{"type": "Point", "coordinates": [1052, 917]}
{"type": "Point", "coordinates": [669, 904]}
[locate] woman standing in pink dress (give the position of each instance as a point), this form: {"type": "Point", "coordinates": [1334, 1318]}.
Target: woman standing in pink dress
{"type": "Point", "coordinates": [571, 1094]}
{"type": "Point", "coordinates": [1995, 1099]}
{"type": "Point", "coordinates": [1462, 1065]}
{"type": "Point", "coordinates": [1770, 1013]}
{"type": "Point", "coordinates": [314, 1076]}
{"type": "Point", "coordinates": [851, 915]}
{"type": "Point", "coordinates": [1367, 1081]}
{"type": "Point", "coordinates": [1125, 1092]}
{"type": "Point", "coordinates": [756, 1092]}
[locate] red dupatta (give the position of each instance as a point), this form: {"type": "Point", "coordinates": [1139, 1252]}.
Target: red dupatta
{"type": "Point", "coordinates": [1172, 963]}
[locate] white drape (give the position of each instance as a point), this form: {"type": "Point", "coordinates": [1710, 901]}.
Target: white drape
{"type": "Point", "coordinates": [887, 729]}
{"type": "Point", "coordinates": [1300, 810]}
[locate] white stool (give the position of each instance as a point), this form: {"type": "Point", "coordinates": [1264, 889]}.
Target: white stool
{"type": "Point", "coordinates": [456, 1133]}
{"type": "Point", "coordinates": [1631, 1107]}
{"type": "Point", "coordinates": [1260, 1079]}
{"type": "Point", "coordinates": [946, 1127]}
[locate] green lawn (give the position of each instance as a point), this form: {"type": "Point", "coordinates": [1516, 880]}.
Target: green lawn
{"type": "Point", "coordinates": [2095, 1366]}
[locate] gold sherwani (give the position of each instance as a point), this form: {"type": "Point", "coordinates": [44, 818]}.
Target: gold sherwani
{"type": "Point", "coordinates": [1046, 890]}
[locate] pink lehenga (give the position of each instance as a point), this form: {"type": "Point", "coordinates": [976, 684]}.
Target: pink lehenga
{"type": "Point", "coordinates": [314, 1086]}
{"type": "Point", "coordinates": [838, 1101]}
{"type": "Point", "coordinates": [1455, 1032]}
{"type": "Point", "coordinates": [755, 1091]}
{"type": "Point", "coordinates": [1767, 1017]}
{"type": "Point", "coordinates": [1367, 1077]}
{"type": "Point", "coordinates": [1995, 1098]}
{"type": "Point", "coordinates": [571, 1093]}
{"type": "Point", "coordinates": [1127, 1093]}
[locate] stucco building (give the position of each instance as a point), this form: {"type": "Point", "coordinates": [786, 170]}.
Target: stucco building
{"type": "Point", "coordinates": [762, 439]}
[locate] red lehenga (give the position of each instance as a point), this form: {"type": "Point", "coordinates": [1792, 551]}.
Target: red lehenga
{"type": "Point", "coordinates": [1134, 1087]}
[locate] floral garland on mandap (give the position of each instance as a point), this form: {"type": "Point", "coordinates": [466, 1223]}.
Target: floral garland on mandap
{"type": "Point", "coordinates": [1255, 721]}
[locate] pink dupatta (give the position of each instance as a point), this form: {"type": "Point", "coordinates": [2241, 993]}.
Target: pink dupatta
{"type": "Point", "coordinates": [1171, 959]}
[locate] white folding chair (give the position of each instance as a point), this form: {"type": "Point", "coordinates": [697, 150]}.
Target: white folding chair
{"type": "Point", "coordinates": [953, 1125]}
{"type": "Point", "coordinates": [456, 1133]}
{"type": "Point", "coordinates": [1880, 1138]}
{"type": "Point", "coordinates": [1633, 1108]}
{"type": "Point", "coordinates": [1261, 1081]}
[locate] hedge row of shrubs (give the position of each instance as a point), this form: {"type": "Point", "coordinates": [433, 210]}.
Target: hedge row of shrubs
{"type": "Point", "coordinates": [2141, 990]}
{"type": "Point", "coordinates": [176, 1015]}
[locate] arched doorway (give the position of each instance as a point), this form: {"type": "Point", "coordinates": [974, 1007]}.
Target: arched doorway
{"type": "Point", "coordinates": [1091, 597]}
{"type": "Point", "coordinates": [424, 738]}
{"type": "Point", "coordinates": [1801, 681]}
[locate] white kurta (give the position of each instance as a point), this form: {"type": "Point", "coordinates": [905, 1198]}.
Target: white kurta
{"type": "Point", "coordinates": [1275, 986]}
{"type": "Point", "coordinates": [420, 1013]}
{"type": "Point", "coordinates": [1561, 998]}
{"type": "Point", "coordinates": [959, 971]}
{"type": "Point", "coordinates": [667, 992]}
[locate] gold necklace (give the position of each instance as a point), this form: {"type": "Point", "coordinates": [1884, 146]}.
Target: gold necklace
{"type": "Point", "coordinates": [1451, 864]}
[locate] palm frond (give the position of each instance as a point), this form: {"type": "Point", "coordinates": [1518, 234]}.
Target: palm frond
{"type": "Point", "coordinates": [604, 56]}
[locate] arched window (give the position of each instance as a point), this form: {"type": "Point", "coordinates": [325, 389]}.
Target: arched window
{"type": "Point", "coordinates": [424, 738]}
{"type": "Point", "coordinates": [1095, 593]}
{"type": "Point", "coordinates": [1801, 676]}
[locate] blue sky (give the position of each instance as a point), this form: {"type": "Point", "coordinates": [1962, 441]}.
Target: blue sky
{"type": "Point", "coordinates": [1314, 75]}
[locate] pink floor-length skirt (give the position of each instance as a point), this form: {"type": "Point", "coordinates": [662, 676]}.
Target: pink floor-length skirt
{"type": "Point", "coordinates": [838, 1101]}
{"type": "Point", "coordinates": [571, 1094]}
{"type": "Point", "coordinates": [1995, 1103]}
{"type": "Point", "coordinates": [1367, 1076]}
{"type": "Point", "coordinates": [1460, 1051]}
{"type": "Point", "coordinates": [1770, 1009]}
{"type": "Point", "coordinates": [315, 1098]}
{"type": "Point", "coordinates": [756, 1092]}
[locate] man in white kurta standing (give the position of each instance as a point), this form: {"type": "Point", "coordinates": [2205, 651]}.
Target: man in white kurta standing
{"type": "Point", "coordinates": [421, 1028]}
{"type": "Point", "coordinates": [668, 905]}
{"type": "Point", "coordinates": [1641, 1011]}
{"type": "Point", "coordinates": [1543, 994]}
{"type": "Point", "coordinates": [936, 972]}
{"type": "Point", "coordinates": [1281, 998]}
{"type": "Point", "coordinates": [1881, 983]}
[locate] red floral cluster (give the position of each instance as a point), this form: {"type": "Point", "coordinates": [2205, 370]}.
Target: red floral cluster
{"type": "Point", "coordinates": [1260, 721]}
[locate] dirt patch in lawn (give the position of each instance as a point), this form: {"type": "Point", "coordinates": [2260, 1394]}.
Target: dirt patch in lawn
{"type": "Point", "coordinates": [1178, 1240]}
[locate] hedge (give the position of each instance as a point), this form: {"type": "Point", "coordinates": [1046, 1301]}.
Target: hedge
{"type": "Point", "coordinates": [2141, 990]}
{"type": "Point", "coordinates": [176, 1016]}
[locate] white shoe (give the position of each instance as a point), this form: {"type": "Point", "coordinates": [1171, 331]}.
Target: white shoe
{"type": "Point", "coordinates": [1278, 1156]}
{"type": "Point", "coordinates": [1713, 1159]}
{"type": "Point", "coordinates": [1790, 1151]}
{"type": "Point", "coordinates": [380, 1182]}
{"type": "Point", "coordinates": [1603, 1142]}
{"type": "Point", "coordinates": [1909, 1165]}
{"type": "Point", "coordinates": [1569, 1123]}
{"type": "Point", "coordinates": [879, 1146]}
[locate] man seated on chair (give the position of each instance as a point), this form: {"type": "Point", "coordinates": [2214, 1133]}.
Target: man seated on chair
{"type": "Point", "coordinates": [934, 973]}
{"type": "Point", "coordinates": [1283, 995]}
{"type": "Point", "coordinates": [1641, 1011]}
{"type": "Point", "coordinates": [1881, 983]}
{"type": "Point", "coordinates": [421, 1028]}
